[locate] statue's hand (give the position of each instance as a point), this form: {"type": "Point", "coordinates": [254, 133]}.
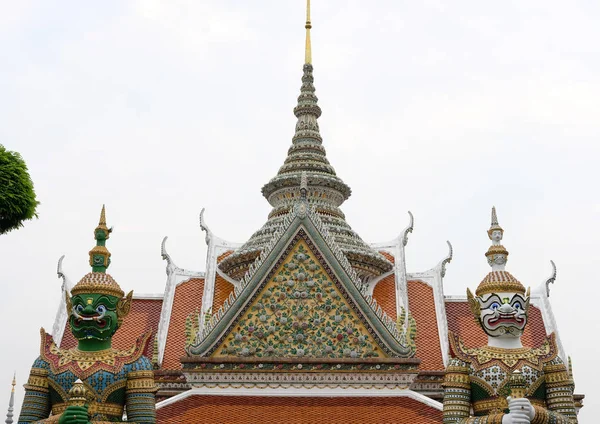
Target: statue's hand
{"type": "Point", "coordinates": [515, 418]}
{"type": "Point", "coordinates": [74, 415]}
{"type": "Point", "coordinates": [521, 405]}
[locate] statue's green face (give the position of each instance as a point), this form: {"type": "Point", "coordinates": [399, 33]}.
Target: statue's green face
{"type": "Point", "coordinates": [94, 316]}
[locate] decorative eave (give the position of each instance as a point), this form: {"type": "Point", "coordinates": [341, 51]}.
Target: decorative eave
{"type": "Point", "coordinates": [434, 278]}
{"type": "Point", "coordinates": [175, 276]}
{"type": "Point", "coordinates": [540, 298]}
{"type": "Point", "coordinates": [307, 221]}
{"type": "Point", "coordinates": [397, 248]}
{"type": "Point", "coordinates": [62, 316]}
{"type": "Point", "coordinates": [215, 247]}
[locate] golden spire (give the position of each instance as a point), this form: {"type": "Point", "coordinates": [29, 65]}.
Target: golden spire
{"type": "Point", "coordinates": [308, 26]}
{"type": "Point", "coordinates": [102, 223]}
{"type": "Point", "coordinates": [103, 216]}
{"type": "Point", "coordinates": [14, 382]}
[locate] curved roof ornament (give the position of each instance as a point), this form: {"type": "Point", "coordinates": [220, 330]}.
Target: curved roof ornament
{"type": "Point", "coordinates": [408, 229]}
{"type": "Point", "coordinates": [447, 259]}
{"type": "Point", "coordinates": [550, 279]}
{"type": "Point", "coordinates": [163, 252]}
{"type": "Point", "coordinates": [61, 274]}
{"type": "Point", "coordinates": [204, 227]}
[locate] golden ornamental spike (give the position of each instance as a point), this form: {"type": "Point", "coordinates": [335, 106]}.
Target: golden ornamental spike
{"type": "Point", "coordinates": [103, 216]}
{"type": "Point", "coordinates": [308, 26]}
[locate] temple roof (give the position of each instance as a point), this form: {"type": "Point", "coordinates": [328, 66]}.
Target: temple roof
{"type": "Point", "coordinates": [304, 264]}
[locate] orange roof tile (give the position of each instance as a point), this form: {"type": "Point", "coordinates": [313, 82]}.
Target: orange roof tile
{"type": "Point", "coordinates": [224, 255]}
{"type": "Point", "coordinates": [222, 290]}
{"type": "Point", "coordinates": [388, 256]}
{"type": "Point", "coordinates": [422, 307]}
{"type": "Point", "coordinates": [188, 297]}
{"type": "Point", "coordinates": [385, 295]}
{"type": "Point", "coordinates": [296, 410]}
{"type": "Point", "coordinates": [462, 322]}
{"type": "Point", "coordinates": [143, 317]}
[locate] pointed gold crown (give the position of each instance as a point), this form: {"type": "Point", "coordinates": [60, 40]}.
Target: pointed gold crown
{"type": "Point", "coordinates": [495, 226]}
{"type": "Point", "coordinates": [98, 281]}
{"type": "Point", "coordinates": [498, 280]}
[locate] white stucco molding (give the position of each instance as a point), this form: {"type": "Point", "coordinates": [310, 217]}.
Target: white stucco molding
{"type": "Point", "coordinates": [396, 248]}
{"type": "Point", "coordinates": [435, 279]}
{"type": "Point", "coordinates": [302, 392]}
{"type": "Point", "coordinates": [216, 246]}
{"type": "Point", "coordinates": [62, 316]}
{"type": "Point", "coordinates": [540, 298]}
{"type": "Point", "coordinates": [175, 276]}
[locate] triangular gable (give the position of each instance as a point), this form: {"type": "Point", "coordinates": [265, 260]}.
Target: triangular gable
{"type": "Point", "coordinates": [350, 309]}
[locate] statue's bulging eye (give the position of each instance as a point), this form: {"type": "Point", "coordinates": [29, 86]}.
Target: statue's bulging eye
{"type": "Point", "coordinates": [101, 309]}
{"type": "Point", "coordinates": [517, 305]}
{"type": "Point", "coordinates": [79, 308]}
{"type": "Point", "coordinates": [494, 306]}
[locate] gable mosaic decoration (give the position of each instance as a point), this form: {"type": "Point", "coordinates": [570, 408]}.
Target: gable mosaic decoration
{"type": "Point", "coordinates": [300, 313]}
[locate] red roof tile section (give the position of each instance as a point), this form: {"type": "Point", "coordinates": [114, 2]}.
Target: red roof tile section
{"type": "Point", "coordinates": [385, 295]}
{"type": "Point", "coordinates": [224, 255]}
{"type": "Point", "coordinates": [222, 290]}
{"type": "Point", "coordinates": [462, 322]}
{"type": "Point", "coordinates": [143, 317]}
{"type": "Point", "coordinates": [388, 256]}
{"type": "Point", "coordinates": [422, 307]}
{"type": "Point", "coordinates": [188, 297]}
{"type": "Point", "coordinates": [296, 410]}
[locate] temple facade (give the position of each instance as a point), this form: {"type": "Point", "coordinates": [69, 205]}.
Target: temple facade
{"type": "Point", "coordinates": [305, 321]}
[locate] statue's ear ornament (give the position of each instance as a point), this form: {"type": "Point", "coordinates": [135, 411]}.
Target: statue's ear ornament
{"type": "Point", "coordinates": [68, 304]}
{"type": "Point", "coordinates": [123, 307]}
{"type": "Point", "coordinates": [474, 304]}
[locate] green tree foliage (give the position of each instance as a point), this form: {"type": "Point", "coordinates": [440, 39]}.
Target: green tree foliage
{"type": "Point", "coordinates": [17, 197]}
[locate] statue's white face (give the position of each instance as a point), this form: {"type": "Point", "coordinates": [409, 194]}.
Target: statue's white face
{"type": "Point", "coordinates": [496, 236]}
{"type": "Point", "coordinates": [500, 259]}
{"type": "Point", "coordinates": [503, 314]}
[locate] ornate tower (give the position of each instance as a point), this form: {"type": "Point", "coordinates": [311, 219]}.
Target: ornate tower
{"type": "Point", "coordinates": [11, 403]}
{"type": "Point", "coordinates": [325, 193]}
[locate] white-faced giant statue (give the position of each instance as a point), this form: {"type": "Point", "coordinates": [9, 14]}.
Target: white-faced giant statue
{"type": "Point", "coordinates": [505, 382]}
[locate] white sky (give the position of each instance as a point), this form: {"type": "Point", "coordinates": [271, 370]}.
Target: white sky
{"type": "Point", "coordinates": [161, 108]}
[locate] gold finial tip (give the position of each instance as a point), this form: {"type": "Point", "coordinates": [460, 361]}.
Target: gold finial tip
{"type": "Point", "coordinates": [308, 26]}
{"type": "Point", "coordinates": [103, 216]}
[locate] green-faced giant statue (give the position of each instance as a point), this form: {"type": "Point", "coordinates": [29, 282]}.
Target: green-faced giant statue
{"type": "Point", "coordinates": [92, 383]}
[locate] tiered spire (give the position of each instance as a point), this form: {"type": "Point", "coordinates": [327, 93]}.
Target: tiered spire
{"type": "Point", "coordinates": [11, 403]}
{"type": "Point", "coordinates": [497, 254]}
{"type": "Point", "coordinates": [99, 281]}
{"type": "Point", "coordinates": [325, 190]}
{"type": "Point", "coordinates": [99, 255]}
{"type": "Point", "coordinates": [498, 280]}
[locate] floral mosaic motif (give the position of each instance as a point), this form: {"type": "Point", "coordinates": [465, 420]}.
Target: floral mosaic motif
{"type": "Point", "coordinates": [497, 378]}
{"type": "Point", "coordinates": [300, 313]}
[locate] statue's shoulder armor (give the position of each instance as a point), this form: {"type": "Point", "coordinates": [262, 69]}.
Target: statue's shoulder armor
{"type": "Point", "coordinates": [461, 355]}
{"type": "Point", "coordinates": [508, 359]}
{"type": "Point", "coordinates": [41, 364]}
{"type": "Point", "coordinates": [85, 364]}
